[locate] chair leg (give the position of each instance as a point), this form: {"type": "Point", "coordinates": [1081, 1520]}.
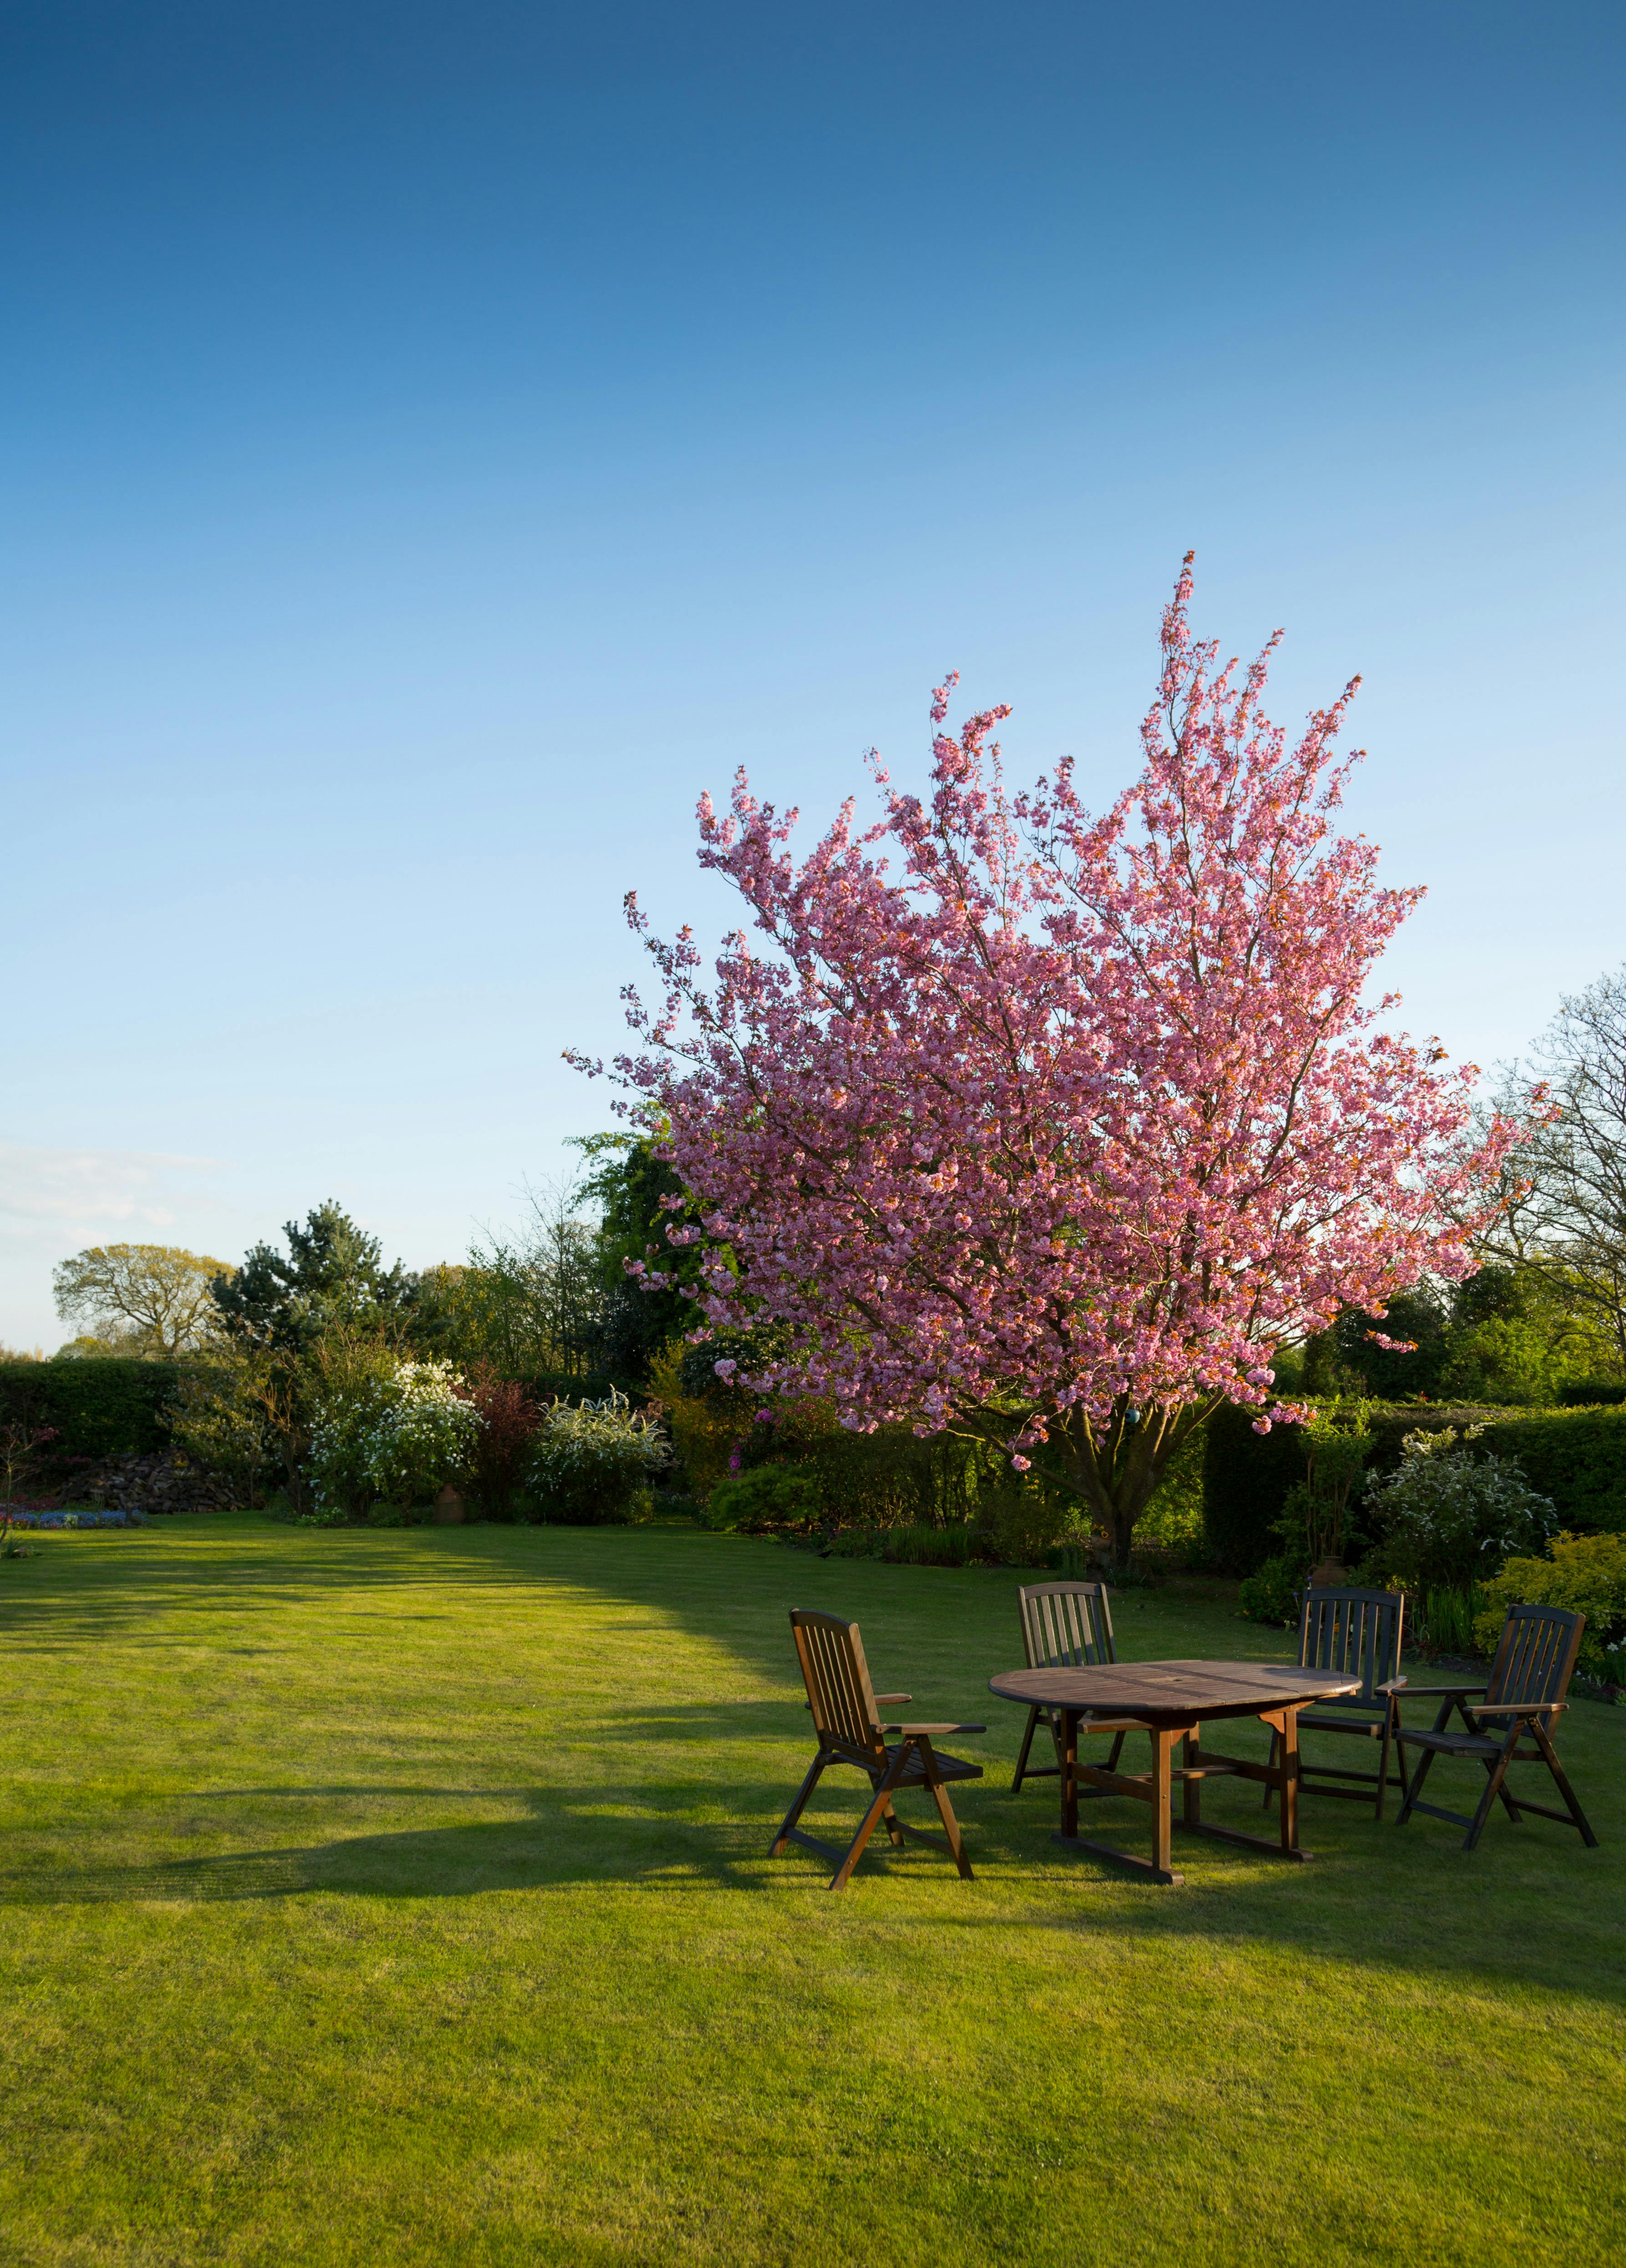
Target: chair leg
{"type": "Point", "coordinates": [1543, 1740]}
{"type": "Point", "coordinates": [1117, 1750]}
{"type": "Point", "coordinates": [890, 1820]}
{"type": "Point", "coordinates": [1493, 1788]}
{"type": "Point", "coordinates": [881, 1804]}
{"type": "Point", "coordinates": [1415, 1788]}
{"type": "Point", "coordinates": [800, 1804]}
{"type": "Point", "coordinates": [1269, 1790]}
{"type": "Point", "coordinates": [1508, 1803]}
{"type": "Point", "coordinates": [1391, 1729]}
{"type": "Point", "coordinates": [1028, 1742]}
{"type": "Point", "coordinates": [946, 1811]}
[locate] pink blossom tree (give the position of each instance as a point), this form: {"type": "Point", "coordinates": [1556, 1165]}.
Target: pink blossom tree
{"type": "Point", "coordinates": [1051, 1129]}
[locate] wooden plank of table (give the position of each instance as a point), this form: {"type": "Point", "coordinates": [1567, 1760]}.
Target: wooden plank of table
{"type": "Point", "coordinates": [1168, 1692]}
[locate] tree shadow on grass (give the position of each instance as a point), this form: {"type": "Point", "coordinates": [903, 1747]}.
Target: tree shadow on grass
{"type": "Point", "coordinates": [1530, 1908]}
{"type": "Point", "coordinates": [562, 1843]}
{"type": "Point", "coordinates": [1525, 1911]}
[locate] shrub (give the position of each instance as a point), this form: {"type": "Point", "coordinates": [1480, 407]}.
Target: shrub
{"type": "Point", "coordinates": [509, 1420]}
{"type": "Point", "coordinates": [1245, 1480]}
{"type": "Point", "coordinates": [1587, 1574]}
{"type": "Point", "coordinates": [1445, 1515]}
{"type": "Point", "coordinates": [400, 1434]}
{"type": "Point", "coordinates": [1172, 1521]}
{"type": "Point", "coordinates": [888, 1477]}
{"type": "Point", "coordinates": [114, 1407]}
{"type": "Point", "coordinates": [767, 1498]}
{"type": "Point", "coordinates": [1577, 1457]}
{"type": "Point", "coordinates": [1273, 1591]}
{"type": "Point", "coordinates": [1025, 1525]}
{"type": "Point", "coordinates": [593, 1462]}
{"type": "Point", "coordinates": [911, 1547]}
{"type": "Point", "coordinates": [220, 1417]}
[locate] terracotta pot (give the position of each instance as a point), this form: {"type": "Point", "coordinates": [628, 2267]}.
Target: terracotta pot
{"type": "Point", "coordinates": [1331, 1575]}
{"type": "Point", "coordinates": [449, 1506]}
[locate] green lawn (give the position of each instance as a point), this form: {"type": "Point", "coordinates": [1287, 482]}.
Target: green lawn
{"type": "Point", "coordinates": [402, 1896]}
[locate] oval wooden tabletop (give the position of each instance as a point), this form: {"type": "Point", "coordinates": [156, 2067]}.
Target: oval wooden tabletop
{"type": "Point", "coordinates": [1172, 1690]}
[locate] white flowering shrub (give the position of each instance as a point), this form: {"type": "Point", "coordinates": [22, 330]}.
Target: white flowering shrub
{"type": "Point", "coordinates": [594, 1461]}
{"type": "Point", "coordinates": [400, 1436]}
{"type": "Point", "coordinates": [1447, 1517]}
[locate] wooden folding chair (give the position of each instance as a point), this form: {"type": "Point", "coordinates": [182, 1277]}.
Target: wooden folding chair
{"type": "Point", "coordinates": [1067, 1626]}
{"type": "Point", "coordinates": [1357, 1633]}
{"type": "Point", "coordinates": [846, 1714]}
{"type": "Point", "coordinates": [1529, 1680]}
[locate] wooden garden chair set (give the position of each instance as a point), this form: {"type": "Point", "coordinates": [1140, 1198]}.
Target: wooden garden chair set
{"type": "Point", "coordinates": [1352, 1638]}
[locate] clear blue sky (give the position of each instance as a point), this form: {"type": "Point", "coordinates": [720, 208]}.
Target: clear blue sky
{"type": "Point", "coordinates": [439, 440]}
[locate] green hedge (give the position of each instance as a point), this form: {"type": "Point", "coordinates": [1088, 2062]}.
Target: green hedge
{"type": "Point", "coordinates": [104, 1406]}
{"type": "Point", "coordinates": [1245, 1478]}
{"type": "Point", "coordinates": [1577, 1457]}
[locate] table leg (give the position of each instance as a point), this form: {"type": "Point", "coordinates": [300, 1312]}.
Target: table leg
{"type": "Point", "coordinates": [1157, 1785]}
{"type": "Point", "coordinates": [1162, 1799]}
{"type": "Point", "coordinates": [1288, 1758]}
{"type": "Point", "coordinates": [1281, 1775]}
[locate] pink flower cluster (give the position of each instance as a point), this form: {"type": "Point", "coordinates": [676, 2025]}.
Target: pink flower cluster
{"type": "Point", "coordinates": [1009, 1105]}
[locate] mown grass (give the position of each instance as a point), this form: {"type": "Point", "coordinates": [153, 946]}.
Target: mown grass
{"type": "Point", "coordinates": [402, 1896]}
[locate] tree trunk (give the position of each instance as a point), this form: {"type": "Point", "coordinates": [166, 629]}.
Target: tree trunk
{"type": "Point", "coordinates": [1116, 1467]}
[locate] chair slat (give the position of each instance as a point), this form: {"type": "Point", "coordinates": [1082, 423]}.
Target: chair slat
{"type": "Point", "coordinates": [1066, 1625]}
{"type": "Point", "coordinates": [1352, 1633]}
{"type": "Point", "coordinates": [1535, 1658]}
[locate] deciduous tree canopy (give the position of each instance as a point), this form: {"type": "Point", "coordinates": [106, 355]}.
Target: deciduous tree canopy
{"type": "Point", "coordinates": [1061, 1126]}
{"type": "Point", "coordinates": [141, 1299]}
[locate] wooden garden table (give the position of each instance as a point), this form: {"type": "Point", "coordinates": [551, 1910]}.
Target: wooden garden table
{"type": "Point", "coordinates": [1170, 1700]}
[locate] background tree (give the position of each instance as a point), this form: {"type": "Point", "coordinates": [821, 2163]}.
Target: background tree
{"type": "Point", "coordinates": [333, 1273]}
{"type": "Point", "coordinates": [1058, 1133]}
{"type": "Point", "coordinates": [637, 1193]}
{"type": "Point", "coordinates": [526, 1302]}
{"type": "Point", "coordinates": [140, 1299]}
{"type": "Point", "coordinates": [1564, 1223]}
{"type": "Point", "coordinates": [1501, 1337]}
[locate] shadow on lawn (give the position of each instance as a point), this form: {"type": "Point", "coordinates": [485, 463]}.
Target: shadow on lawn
{"type": "Point", "coordinates": [1529, 1909]}
{"type": "Point", "coordinates": [564, 1843]}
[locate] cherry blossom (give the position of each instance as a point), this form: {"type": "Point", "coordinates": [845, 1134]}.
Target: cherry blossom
{"type": "Point", "coordinates": [1054, 1128]}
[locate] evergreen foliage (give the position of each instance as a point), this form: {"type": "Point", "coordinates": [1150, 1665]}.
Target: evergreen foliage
{"type": "Point", "coordinates": [333, 1273]}
{"type": "Point", "coordinates": [114, 1407]}
{"type": "Point", "coordinates": [1575, 1457]}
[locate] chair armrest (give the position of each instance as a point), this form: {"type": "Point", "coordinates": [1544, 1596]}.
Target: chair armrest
{"type": "Point", "coordinates": [1394, 1685]}
{"type": "Point", "coordinates": [931, 1732]}
{"type": "Point", "coordinates": [1518, 1708]}
{"type": "Point", "coordinates": [892, 1700]}
{"type": "Point", "coordinates": [1444, 1689]}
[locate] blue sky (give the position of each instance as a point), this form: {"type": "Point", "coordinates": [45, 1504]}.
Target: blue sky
{"type": "Point", "coordinates": [438, 442]}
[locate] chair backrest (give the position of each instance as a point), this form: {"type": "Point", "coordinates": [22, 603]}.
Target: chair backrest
{"type": "Point", "coordinates": [1535, 1655]}
{"type": "Point", "coordinates": [1353, 1634]}
{"type": "Point", "coordinates": [837, 1678]}
{"type": "Point", "coordinates": [1066, 1625]}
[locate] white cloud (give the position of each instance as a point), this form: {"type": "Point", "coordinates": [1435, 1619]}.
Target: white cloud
{"type": "Point", "coordinates": [91, 1191]}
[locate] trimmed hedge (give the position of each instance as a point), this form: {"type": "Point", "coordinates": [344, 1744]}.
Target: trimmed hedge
{"type": "Point", "coordinates": [1577, 1457]}
{"type": "Point", "coordinates": [106, 1405]}
{"type": "Point", "coordinates": [1245, 1478]}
